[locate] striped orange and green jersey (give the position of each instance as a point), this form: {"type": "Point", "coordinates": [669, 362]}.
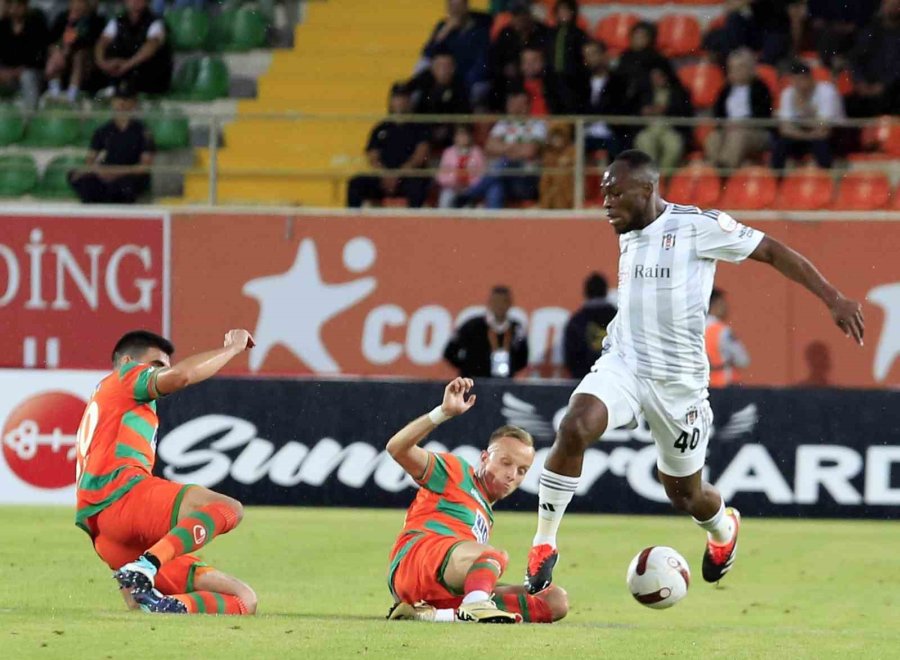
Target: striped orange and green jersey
{"type": "Point", "coordinates": [452, 501]}
{"type": "Point", "coordinates": [116, 441]}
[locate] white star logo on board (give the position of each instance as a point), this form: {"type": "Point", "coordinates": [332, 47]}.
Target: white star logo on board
{"type": "Point", "coordinates": [887, 296]}
{"type": "Point", "coordinates": [294, 305]}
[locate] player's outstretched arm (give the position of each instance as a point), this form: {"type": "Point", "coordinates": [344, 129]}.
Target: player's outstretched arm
{"type": "Point", "coordinates": [404, 448]}
{"type": "Point", "coordinates": [847, 313]}
{"type": "Point", "coordinates": [202, 366]}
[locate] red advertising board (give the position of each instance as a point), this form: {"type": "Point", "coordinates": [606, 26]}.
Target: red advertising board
{"type": "Point", "coordinates": [72, 283]}
{"type": "Point", "coordinates": [380, 295]}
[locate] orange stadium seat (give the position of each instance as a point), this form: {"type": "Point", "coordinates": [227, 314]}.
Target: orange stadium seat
{"type": "Point", "coordinates": [895, 200]}
{"type": "Point", "coordinates": [844, 82]}
{"type": "Point", "coordinates": [883, 135]}
{"type": "Point", "coordinates": [808, 189]}
{"type": "Point", "coordinates": [752, 187]}
{"type": "Point", "coordinates": [615, 31]}
{"type": "Point", "coordinates": [704, 81]}
{"type": "Point", "coordinates": [697, 184]}
{"type": "Point", "coordinates": [679, 35]}
{"type": "Point", "coordinates": [863, 191]}
{"type": "Point", "coordinates": [822, 74]}
{"type": "Point", "coordinates": [501, 20]}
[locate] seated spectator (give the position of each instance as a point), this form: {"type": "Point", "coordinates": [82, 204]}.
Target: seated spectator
{"type": "Point", "coordinates": [744, 96]}
{"type": "Point", "coordinates": [564, 53]}
{"type": "Point", "coordinates": [393, 146]}
{"type": "Point", "coordinates": [586, 329]}
{"type": "Point", "coordinates": [437, 91]}
{"type": "Point", "coordinates": [122, 141]}
{"type": "Point", "coordinates": [557, 188]}
{"type": "Point", "coordinates": [506, 51]}
{"type": "Point", "coordinates": [72, 37]}
{"type": "Point", "coordinates": [467, 36]}
{"type": "Point", "coordinates": [541, 85]}
{"type": "Point", "coordinates": [607, 94]}
{"type": "Point", "coordinates": [514, 144]}
{"type": "Point", "coordinates": [133, 47]}
{"type": "Point", "coordinates": [666, 97]}
{"type": "Point", "coordinates": [875, 63]}
{"type": "Point", "coordinates": [762, 25]}
{"type": "Point", "coordinates": [23, 48]}
{"type": "Point", "coordinates": [640, 59]}
{"type": "Point", "coordinates": [462, 167]}
{"type": "Point", "coordinates": [808, 112]}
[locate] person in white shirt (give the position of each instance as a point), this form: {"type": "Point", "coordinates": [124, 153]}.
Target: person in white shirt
{"type": "Point", "coordinates": [808, 113]}
{"type": "Point", "coordinates": [134, 47]}
{"type": "Point", "coordinates": [655, 364]}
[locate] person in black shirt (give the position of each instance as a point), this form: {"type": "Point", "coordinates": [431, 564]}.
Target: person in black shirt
{"type": "Point", "coordinates": [586, 329]}
{"type": "Point", "coordinates": [492, 345]}
{"type": "Point", "coordinates": [23, 48]}
{"type": "Point", "coordinates": [639, 60]}
{"type": "Point", "coordinates": [467, 36]}
{"type": "Point", "coordinates": [392, 146]}
{"type": "Point", "coordinates": [875, 68]}
{"type": "Point", "coordinates": [122, 141]}
{"type": "Point", "coordinates": [565, 55]}
{"type": "Point", "coordinates": [506, 51]}
{"type": "Point", "coordinates": [72, 37]}
{"type": "Point", "coordinates": [133, 47]}
{"type": "Point", "coordinates": [606, 93]}
{"type": "Point", "coordinates": [438, 91]}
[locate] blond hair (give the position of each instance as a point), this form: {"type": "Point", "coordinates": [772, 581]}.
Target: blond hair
{"type": "Point", "coordinates": [510, 431]}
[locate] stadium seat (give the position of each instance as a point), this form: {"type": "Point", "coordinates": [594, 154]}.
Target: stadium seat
{"type": "Point", "coordinates": [865, 190]}
{"type": "Point", "coordinates": [248, 31]}
{"type": "Point", "coordinates": [201, 79]}
{"type": "Point", "coordinates": [54, 184]}
{"type": "Point", "coordinates": [697, 184]}
{"type": "Point", "coordinates": [501, 20]}
{"type": "Point", "coordinates": [679, 35]}
{"type": "Point", "coordinates": [615, 31]}
{"type": "Point", "coordinates": [704, 81]}
{"type": "Point", "coordinates": [53, 129]}
{"type": "Point", "coordinates": [750, 188]}
{"type": "Point", "coordinates": [807, 189]}
{"type": "Point", "coordinates": [883, 135]}
{"type": "Point", "coordinates": [12, 125]}
{"type": "Point", "coordinates": [188, 28]}
{"type": "Point", "coordinates": [170, 130]}
{"type": "Point", "coordinates": [18, 175]}
{"type": "Point", "coordinates": [844, 82]}
{"type": "Point", "coordinates": [895, 200]}
{"type": "Point", "coordinates": [220, 31]}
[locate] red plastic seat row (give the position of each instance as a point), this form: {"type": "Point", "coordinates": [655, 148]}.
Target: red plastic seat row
{"type": "Point", "coordinates": [677, 34]}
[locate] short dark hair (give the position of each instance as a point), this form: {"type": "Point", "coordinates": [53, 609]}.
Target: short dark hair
{"type": "Point", "coordinates": [799, 68]}
{"type": "Point", "coordinates": [501, 290]}
{"type": "Point", "coordinates": [598, 43]}
{"type": "Point", "coordinates": [595, 286]}
{"type": "Point", "coordinates": [135, 343]}
{"type": "Point", "coordinates": [571, 4]}
{"type": "Point", "coordinates": [647, 27]}
{"type": "Point", "coordinates": [716, 294]}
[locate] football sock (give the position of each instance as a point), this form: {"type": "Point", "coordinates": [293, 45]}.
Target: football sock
{"type": "Point", "coordinates": [483, 575]}
{"type": "Point", "coordinates": [210, 602]}
{"type": "Point", "coordinates": [532, 608]}
{"type": "Point", "coordinates": [445, 616]}
{"type": "Point", "coordinates": [555, 493]}
{"type": "Point", "coordinates": [720, 526]}
{"type": "Point", "coordinates": [194, 531]}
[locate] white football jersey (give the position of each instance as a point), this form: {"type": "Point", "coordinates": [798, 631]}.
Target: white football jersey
{"type": "Point", "coordinates": [666, 273]}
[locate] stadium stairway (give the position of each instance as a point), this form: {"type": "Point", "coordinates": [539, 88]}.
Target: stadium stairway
{"type": "Point", "coordinates": [346, 54]}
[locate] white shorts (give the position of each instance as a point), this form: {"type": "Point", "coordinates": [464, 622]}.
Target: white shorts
{"type": "Point", "coordinates": [680, 418]}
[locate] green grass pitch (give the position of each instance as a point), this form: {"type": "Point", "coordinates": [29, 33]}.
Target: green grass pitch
{"type": "Point", "coordinates": [800, 589]}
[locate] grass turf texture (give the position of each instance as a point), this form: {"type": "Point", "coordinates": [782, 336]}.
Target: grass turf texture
{"type": "Point", "coordinates": [800, 589]}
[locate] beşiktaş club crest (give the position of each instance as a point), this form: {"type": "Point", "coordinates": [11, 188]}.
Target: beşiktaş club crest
{"type": "Point", "coordinates": [668, 241]}
{"type": "Point", "coordinates": [691, 416]}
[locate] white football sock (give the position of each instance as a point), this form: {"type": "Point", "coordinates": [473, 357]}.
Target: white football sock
{"type": "Point", "coordinates": [445, 616]}
{"type": "Point", "coordinates": [720, 526]}
{"type": "Point", "coordinates": [554, 494]}
{"type": "Point", "coordinates": [476, 597]}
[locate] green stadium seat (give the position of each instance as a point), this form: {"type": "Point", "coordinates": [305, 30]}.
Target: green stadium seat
{"type": "Point", "coordinates": [248, 30]}
{"type": "Point", "coordinates": [212, 80]}
{"type": "Point", "coordinates": [55, 184]}
{"type": "Point", "coordinates": [188, 28]}
{"type": "Point", "coordinates": [170, 130]}
{"type": "Point", "coordinates": [184, 78]}
{"type": "Point", "coordinates": [18, 175]}
{"type": "Point", "coordinates": [221, 30]}
{"type": "Point", "coordinates": [12, 125]}
{"type": "Point", "coordinates": [53, 129]}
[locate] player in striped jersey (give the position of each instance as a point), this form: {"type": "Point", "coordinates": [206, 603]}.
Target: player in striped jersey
{"type": "Point", "coordinates": [442, 567]}
{"type": "Point", "coordinates": [655, 362]}
{"type": "Point", "coordinates": [142, 526]}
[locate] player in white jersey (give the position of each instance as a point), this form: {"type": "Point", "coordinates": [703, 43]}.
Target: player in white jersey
{"type": "Point", "coordinates": [655, 361]}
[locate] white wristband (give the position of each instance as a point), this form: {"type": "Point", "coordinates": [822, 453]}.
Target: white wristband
{"type": "Point", "coordinates": [438, 416]}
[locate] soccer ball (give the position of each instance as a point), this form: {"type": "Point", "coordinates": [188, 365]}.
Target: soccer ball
{"type": "Point", "coordinates": [658, 577]}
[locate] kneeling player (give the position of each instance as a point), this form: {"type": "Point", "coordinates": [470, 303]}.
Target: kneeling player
{"type": "Point", "coordinates": [142, 526]}
{"type": "Point", "coordinates": [442, 568]}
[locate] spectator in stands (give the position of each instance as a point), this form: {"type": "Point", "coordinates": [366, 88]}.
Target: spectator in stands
{"type": "Point", "coordinates": [70, 59]}
{"type": "Point", "coordinates": [640, 59]}
{"type": "Point", "coordinates": [393, 145]}
{"type": "Point", "coordinates": [586, 329]}
{"type": "Point", "coordinates": [744, 96]}
{"type": "Point", "coordinates": [134, 47]}
{"type": "Point", "coordinates": [726, 352]}
{"type": "Point", "coordinates": [876, 65]}
{"type": "Point", "coordinates": [462, 167]}
{"type": "Point", "coordinates": [565, 55]}
{"type": "Point", "coordinates": [467, 35]}
{"type": "Point", "coordinates": [557, 188]}
{"type": "Point", "coordinates": [541, 84]}
{"type": "Point", "coordinates": [606, 94]}
{"type": "Point", "coordinates": [514, 144]}
{"type": "Point", "coordinates": [506, 51]}
{"type": "Point", "coordinates": [492, 345]}
{"type": "Point", "coordinates": [835, 24]}
{"type": "Point", "coordinates": [808, 112]}
{"type": "Point", "coordinates": [23, 49]}
{"type": "Point", "coordinates": [437, 91]}
{"type": "Point", "coordinates": [123, 141]}
{"type": "Point", "coordinates": [665, 97]}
